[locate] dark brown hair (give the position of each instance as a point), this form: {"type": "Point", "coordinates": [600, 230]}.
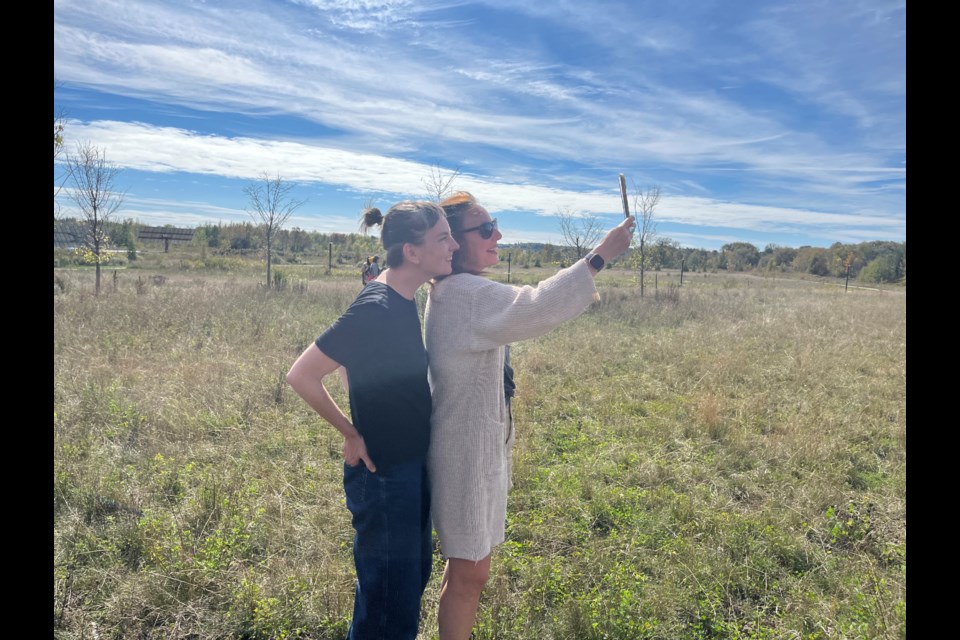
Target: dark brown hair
{"type": "Point", "coordinates": [406, 221]}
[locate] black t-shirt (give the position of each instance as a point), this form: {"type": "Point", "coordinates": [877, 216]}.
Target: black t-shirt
{"type": "Point", "coordinates": [379, 341]}
{"type": "Point", "coordinates": [509, 386]}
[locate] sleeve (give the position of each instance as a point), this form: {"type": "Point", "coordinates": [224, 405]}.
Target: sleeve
{"type": "Point", "coordinates": [346, 339]}
{"type": "Point", "coordinates": [501, 313]}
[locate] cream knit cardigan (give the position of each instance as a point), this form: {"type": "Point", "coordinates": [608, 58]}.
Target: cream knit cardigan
{"type": "Point", "coordinates": [468, 321]}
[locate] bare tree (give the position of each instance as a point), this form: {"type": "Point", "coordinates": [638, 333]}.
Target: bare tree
{"type": "Point", "coordinates": [580, 232]}
{"type": "Point", "coordinates": [271, 206]}
{"type": "Point", "coordinates": [644, 206]}
{"type": "Point", "coordinates": [59, 174]}
{"type": "Point", "coordinates": [440, 182]}
{"type": "Point", "coordinates": [57, 136]}
{"type": "Point", "coordinates": [96, 197]}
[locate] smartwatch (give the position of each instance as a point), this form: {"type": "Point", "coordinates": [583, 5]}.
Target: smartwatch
{"type": "Point", "coordinates": [594, 261]}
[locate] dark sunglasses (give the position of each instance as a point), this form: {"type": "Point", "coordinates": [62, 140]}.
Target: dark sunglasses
{"type": "Point", "coordinates": [486, 229]}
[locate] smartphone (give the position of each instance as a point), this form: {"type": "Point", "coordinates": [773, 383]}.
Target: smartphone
{"type": "Point", "coordinates": [623, 196]}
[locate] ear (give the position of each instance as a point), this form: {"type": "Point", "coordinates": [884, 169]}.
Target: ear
{"type": "Point", "coordinates": [411, 253]}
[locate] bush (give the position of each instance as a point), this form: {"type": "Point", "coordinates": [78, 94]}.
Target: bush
{"type": "Point", "coordinates": [885, 268]}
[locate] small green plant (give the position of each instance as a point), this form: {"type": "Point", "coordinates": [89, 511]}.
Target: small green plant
{"type": "Point", "coordinates": [850, 525]}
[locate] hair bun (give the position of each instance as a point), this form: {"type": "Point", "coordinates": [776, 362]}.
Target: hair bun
{"type": "Point", "coordinates": [372, 216]}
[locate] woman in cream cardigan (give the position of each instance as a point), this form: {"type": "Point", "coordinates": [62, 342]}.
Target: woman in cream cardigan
{"type": "Point", "coordinates": [468, 322]}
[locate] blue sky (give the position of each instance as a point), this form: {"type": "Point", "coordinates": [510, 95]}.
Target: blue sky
{"type": "Point", "coordinates": [761, 121]}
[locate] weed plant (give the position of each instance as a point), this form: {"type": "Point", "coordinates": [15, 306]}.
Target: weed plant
{"type": "Point", "coordinates": [722, 460]}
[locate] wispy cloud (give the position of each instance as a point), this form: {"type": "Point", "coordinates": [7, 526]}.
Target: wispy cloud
{"type": "Point", "coordinates": [165, 149]}
{"type": "Point", "coordinates": [778, 105]}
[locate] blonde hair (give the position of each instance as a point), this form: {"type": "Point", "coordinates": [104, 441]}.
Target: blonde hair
{"type": "Point", "coordinates": [455, 207]}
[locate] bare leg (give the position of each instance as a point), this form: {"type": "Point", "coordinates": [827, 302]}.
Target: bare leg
{"type": "Point", "coordinates": [463, 581]}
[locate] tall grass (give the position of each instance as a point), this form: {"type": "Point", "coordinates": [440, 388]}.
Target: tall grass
{"type": "Point", "coordinates": [722, 460]}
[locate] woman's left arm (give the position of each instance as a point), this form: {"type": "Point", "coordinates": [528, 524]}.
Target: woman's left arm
{"type": "Point", "coordinates": [505, 314]}
{"type": "Point", "coordinates": [500, 314]}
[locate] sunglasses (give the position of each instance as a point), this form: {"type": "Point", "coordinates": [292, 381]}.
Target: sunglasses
{"type": "Point", "coordinates": [486, 229]}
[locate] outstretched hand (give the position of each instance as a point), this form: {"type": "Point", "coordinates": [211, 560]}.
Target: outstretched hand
{"type": "Point", "coordinates": [617, 240]}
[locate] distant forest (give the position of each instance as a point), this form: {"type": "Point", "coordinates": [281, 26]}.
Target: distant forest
{"type": "Point", "coordinates": [873, 262]}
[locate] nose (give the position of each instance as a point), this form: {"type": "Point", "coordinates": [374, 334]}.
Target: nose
{"type": "Point", "coordinates": [497, 234]}
{"type": "Point", "coordinates": [455, 245]}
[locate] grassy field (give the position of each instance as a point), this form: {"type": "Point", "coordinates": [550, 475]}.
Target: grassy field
{"type": "Point", "coordinates": [724, 460]}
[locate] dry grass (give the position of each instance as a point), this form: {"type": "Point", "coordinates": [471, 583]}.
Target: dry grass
{"type": "Point", "coordinates": [723, 461]}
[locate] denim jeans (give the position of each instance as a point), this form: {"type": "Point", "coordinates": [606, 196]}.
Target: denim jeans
{"type": "Point", "coordinates": [392, 548]}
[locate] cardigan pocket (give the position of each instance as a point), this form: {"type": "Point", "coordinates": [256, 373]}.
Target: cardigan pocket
{"type": "Point", "coordinates": [493, 448]}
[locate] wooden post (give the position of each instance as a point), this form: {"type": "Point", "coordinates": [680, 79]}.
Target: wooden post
{"type": "Point", "coordinates": [509, 258]}
{"type": "Point", "coordinates": [329, 258]}
{"type": "Point", "coordinates": [682, 262]}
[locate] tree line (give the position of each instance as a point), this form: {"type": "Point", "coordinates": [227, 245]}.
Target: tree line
{"type": "Point", "coordinates": [871, 262]}
{"type": "Point", "coordinates": [94, 193]}
{"type": "Point", "coordinates": [874, 261]}
{"type": "Point", "coordinates": [271, 204]}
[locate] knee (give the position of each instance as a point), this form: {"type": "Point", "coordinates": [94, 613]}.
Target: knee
{"type": "Point", "coordinates": [468, 577]}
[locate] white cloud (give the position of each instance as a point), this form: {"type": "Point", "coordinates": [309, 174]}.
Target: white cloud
{"type": "Point", "coordinates": [165, 149]}
{"type": "Point", "coordinates": [795, 110]}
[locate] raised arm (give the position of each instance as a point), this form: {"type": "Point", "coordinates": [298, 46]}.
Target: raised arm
{"type": "Point", "coordinates": [500, 314]}
{"type": "Point", "coordinates": [306, 377]}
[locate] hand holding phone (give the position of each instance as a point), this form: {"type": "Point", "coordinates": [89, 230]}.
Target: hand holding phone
{"type": "Point", "coordinates": [623, 196]}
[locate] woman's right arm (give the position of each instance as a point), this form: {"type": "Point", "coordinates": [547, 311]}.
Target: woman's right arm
{"type": "Point", "coordinates": [306, 377]}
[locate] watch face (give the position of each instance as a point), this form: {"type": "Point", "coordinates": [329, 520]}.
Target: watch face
{"type": "Point", "coordinates": [596, 262]}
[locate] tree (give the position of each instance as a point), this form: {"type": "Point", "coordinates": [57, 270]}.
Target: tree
{"type": "Point", "coordinates": [883, 268]}
{"type": "Point", "coordinates": [779, 258]}
{"type": "Point", "coordinates": [271, 206]}
{"type": "Point", "coordinates": [811, 260]}
{"type": "Point", "coordinates": [664, 253]}
{"type": "Point", "coordinates": [57, 136]}
{"type": "Point", "coordinates": [741, 255]}
{"type": "Point", "coordinates": [59, 177]}
{"type": "Point", "coordinates": [300, 241]}
{"type": "Point", "coordinates": [439, 183]}
{"type": "Point", "coordinates": [695, 259]}
{"type": "Point", "coordinates": [644, 206]}
{"type": "Point", "coordinates": [96, 197]}
{"type": "Point", "coordinates": [580, 232]}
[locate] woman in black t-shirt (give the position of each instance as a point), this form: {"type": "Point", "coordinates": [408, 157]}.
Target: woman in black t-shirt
{"type": "Point", "coordinates": [377, 344]}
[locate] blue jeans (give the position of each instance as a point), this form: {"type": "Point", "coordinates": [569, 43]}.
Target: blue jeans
{"type": "Point", "coordinates": [392, 548]}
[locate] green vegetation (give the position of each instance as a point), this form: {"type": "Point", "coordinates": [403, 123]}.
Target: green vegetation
{"type": "Point", "coordinates": [869, 262]}
{"type": "Point", "coordinates": [721, 460]}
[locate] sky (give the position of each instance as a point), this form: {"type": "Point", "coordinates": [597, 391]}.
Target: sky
{"type": "Point", "coordinates": [768, 122]}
